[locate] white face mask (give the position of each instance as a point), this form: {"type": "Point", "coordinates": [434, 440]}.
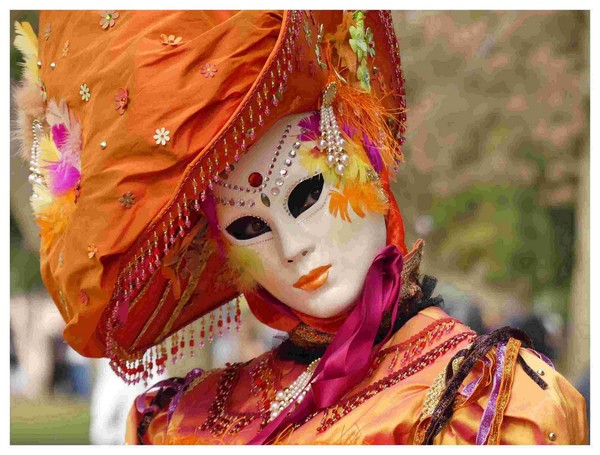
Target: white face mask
{"type": "Point", "coordinates": [307, 258]}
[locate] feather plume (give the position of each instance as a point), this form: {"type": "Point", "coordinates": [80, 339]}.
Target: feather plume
{"type": "Point", "coordinates": [362, 198]}
{"type": "Point", "coordinates": [313, 160]}
{"type": "Point", "coordinates": [62, 177]}
{"type": "Point", "coordinates": [310, 124]}
{"type": "Point", "coordinates": [26, 42]}
{"type": "Point", "coordinates": [59, 135]}
{"type": "Point", "coordinates": [29, 105]}
{"type": "Point", "coordinates": [363, 111]}
{"type": "Point", "coordinates": [40, 199]}
{"type": "Point", "coordinates": [66, 131]}
{"type": "Point", "coordinates": [54, 218]}
{"type": "Point", "coordinates": [247, 265]}
{"type": "Point", "coordinates": [58, 113]}
{"type": "Point", "coordinates": [48, 153]}
{"type": "Point", "coordinates": [72, 145]}
{"type": "Point", "coordinates": [61, 174]}
{"type": "Point", "coordinates": [338, 204]}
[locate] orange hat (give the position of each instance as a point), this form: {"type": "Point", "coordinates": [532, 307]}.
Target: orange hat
{"type": "Point", "coordinates": [129, 118]}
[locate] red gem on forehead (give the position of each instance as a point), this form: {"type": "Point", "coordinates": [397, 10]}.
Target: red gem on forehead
{"type": "Point", "coordinates": [255, 179]}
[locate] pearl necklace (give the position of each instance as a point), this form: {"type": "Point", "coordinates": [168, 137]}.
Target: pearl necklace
{"type": "Point", "coordinates": [296, 391]}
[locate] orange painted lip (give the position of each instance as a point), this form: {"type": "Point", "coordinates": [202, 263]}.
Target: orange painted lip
{"type": "Point", "coordinates": [313, 279]}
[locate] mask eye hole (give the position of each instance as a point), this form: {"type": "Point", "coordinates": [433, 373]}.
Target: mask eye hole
{"type": "Point", "coordinates": [248, 227]}
{"type": "Point", "coordinates": [305, 195]}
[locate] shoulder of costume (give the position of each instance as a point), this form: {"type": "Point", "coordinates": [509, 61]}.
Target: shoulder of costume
{"type": "Point", "coordinates": [501, 375]}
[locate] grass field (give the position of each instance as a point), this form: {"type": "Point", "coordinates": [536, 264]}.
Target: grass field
{"type": "Point", "coordinates": [56, 420]}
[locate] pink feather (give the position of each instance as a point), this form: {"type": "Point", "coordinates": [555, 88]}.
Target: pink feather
{"type": "Point", "coordinates": [58, 113]}
{"type": "Point", "coordinates": [59, 135]}
{"type": "Point", "coordinates": [72, 146]}
{"type": "Point", "coordinates": [66, 132]}
{"type": "Point", "coordinates": [310, 125]}
{"type": "Point", "coordinates": [63, 177]}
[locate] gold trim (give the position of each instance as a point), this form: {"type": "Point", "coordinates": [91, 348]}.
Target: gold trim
{"type": "Point", "coordinates": [191, 286]}
{"type": "Point", "coordinates": [510, 362]}
{"type": "Point", "coordinates": [151, 318]}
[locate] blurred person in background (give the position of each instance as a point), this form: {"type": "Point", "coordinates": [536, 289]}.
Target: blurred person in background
{"type": "Point", "coordinates": [36, 327]}
{"type": "Point", "coordinates": [205, 262]}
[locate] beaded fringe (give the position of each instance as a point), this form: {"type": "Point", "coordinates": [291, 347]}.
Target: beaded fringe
{"type": "Point", "coordinates": [133, 369]}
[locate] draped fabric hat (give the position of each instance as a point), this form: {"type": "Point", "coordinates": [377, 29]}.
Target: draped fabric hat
{"type": "Point", "coordinates": [130, 118]}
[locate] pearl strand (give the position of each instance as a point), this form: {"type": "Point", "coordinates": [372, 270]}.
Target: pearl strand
{"type": "Point", "coordinates": [34, 166]}
{"type": "Point", "coordinates": [331, 138]}
{"type": "Point", "coordinates": [296, 391]}
{"type": "Point", "coordinates": [332, 141]}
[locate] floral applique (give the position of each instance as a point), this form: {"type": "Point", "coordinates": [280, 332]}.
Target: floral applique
{"type": "Point", "coordinates": [170, 40]}
{"type": "Point", "coordinates": [208, 70]}
{"type": "Point", "coordinates": [47, 32]}
{"type": "Point", "coordinates": [127, 200]}
{"type": "Point", "coordinates": [108, 19]}
{"type": "Point", "coordinates": [92, 250]}
{"type": "Point", "coordinates": [162, 136]}
{"type": "Point", "coordinates": [121, 100]}
{"type": "Point", "coordinates": [84, 91]}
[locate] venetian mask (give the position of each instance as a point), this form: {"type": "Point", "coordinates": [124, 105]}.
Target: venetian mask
{"type": "Point", "coordinates": [275, 213]}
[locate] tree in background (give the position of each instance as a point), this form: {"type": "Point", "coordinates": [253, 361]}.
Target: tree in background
{"type": "Point", "coordinates": [497, 146]}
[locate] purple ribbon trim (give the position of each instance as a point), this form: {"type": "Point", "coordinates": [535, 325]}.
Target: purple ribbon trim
{"type": "Point", "coordinates": [544, 358]}
{"type": "Point", "coordinates": [488, 414]}
{"type": "Point", "coordinates": [468, 390]}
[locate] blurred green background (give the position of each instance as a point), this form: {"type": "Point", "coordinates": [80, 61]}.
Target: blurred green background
{"type": "Point", "coordinates": [496, 181]}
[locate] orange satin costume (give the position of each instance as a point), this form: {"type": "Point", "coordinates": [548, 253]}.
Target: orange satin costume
{"type": "Point", "coordinates": [395, 415]}
{"type": "Point", "coordinates": [129, 118]}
